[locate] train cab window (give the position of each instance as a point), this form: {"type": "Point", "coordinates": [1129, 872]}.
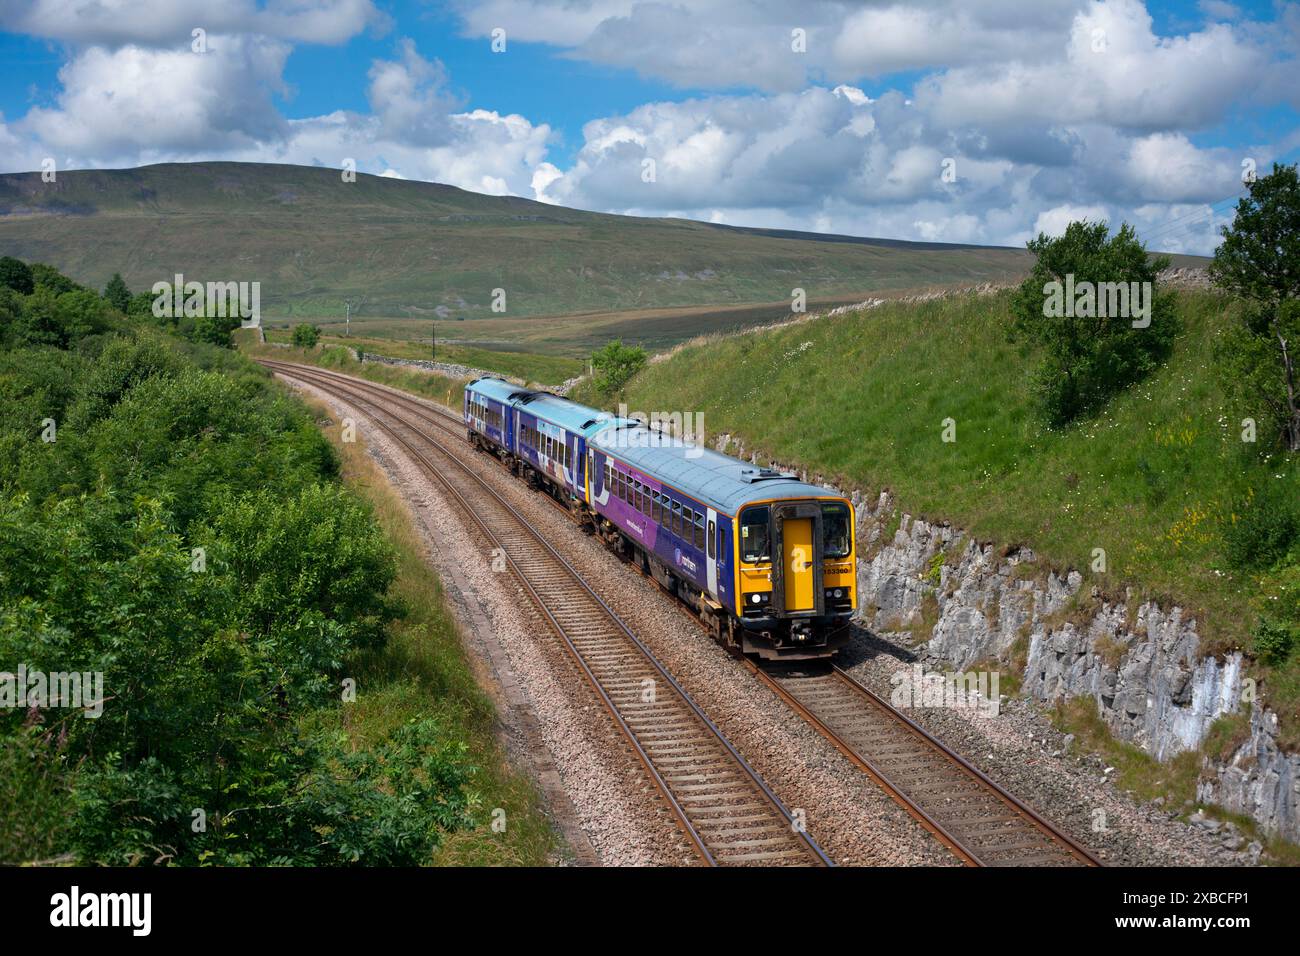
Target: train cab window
{"type": "Point", "coordinates": [710, 536]}
{"type": "Point", "coordinates": [835, 530]}
{"type": "Point", "coordinates": [754, 545]}
{"type": "Point", "coordinates": [699, 531]}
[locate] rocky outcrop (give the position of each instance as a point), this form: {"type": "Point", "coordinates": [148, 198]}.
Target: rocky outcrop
{"type": "Point", "coordinates": [1260, 780]}
{"type": "Point", "coordinates": [966, 603]}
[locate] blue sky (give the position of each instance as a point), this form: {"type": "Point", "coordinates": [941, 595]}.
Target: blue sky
{"type": "Point", "coordinates": [1045, 110]}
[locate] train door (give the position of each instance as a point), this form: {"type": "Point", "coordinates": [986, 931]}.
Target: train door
{"type": "Point", "coordinates": [711, 548]}
{"type": "Point", "coordinates": [798, 558]}
{"type": "Point", "coordinates": [725, 567]}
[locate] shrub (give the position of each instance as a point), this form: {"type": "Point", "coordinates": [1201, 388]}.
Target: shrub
{"type": "Point", "coordinates": [1090, 357]}
{"type": "Point", "coordinates": [306, 336]}
{"type": "Point", "coordinates": [615, 364]}
{"type": "Point", "coordinates": [1264, 526]}
{"type": "Point", "coordinates": [16, 275]}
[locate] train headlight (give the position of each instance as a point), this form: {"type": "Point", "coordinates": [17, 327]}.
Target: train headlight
{"type": "Point", "coordinates": [756, 598]}
{"type": "Point", "coordinates": [838, 592]}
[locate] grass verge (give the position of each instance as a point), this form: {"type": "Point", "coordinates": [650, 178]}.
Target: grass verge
{"type": "Point", "coordinates": [423, 671]}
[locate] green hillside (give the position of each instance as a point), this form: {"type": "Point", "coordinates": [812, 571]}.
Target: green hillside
{"type": "Point", "coordinates": [1155, 480]}
{"type": "Point", "coordinates": [410, 248]}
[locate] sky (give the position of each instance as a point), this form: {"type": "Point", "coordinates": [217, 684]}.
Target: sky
{"type": "Point", "coordinates": [983, 121]}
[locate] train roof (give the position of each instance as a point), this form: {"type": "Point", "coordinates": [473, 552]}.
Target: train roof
{"type": "Point", "coordinates": [553, 408]}
{"type": "Point", "coordinates": [720, 481]}
{"type": "Point", "coordinates": [562, 412]}
{"type": "Point", "coordinates": [496, 388]}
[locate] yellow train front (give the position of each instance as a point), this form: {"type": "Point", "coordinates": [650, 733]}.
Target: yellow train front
{"type": "Point", "coordinates": [796, 575]}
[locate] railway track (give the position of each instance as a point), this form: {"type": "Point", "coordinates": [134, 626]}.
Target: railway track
{"type": "Point", "coordinates": [978, 820]}
{"type": "Point", "coordinates": [728, 813]}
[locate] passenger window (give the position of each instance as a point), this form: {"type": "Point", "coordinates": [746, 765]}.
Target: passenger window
{"type": "Point", "coordinates": [699, 531]}
{"type": "Point", "coordinates": [677, 519]}
{"type": "Point", "coordinates": [654, 507]}
{"type": "Point", "coordinates": [710, 538]}
{"type": "Point", "coordinates": [753, 534]}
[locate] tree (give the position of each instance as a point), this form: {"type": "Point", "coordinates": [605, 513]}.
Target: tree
{"type": "Point", "coordinates": [1091, 301]}
{"type": "Point", "coordinates": [16, 274]}
{"type": "Point", "coordinates": [117, 294]}
{"type": "Point", "coordinates": [615, 364]}
{"type": "Point", "coordinates": [48, 277]}
{"type": "Point", "coordinates": [306, 336]}
{"type": "Point", "coordinates": [1259, 261]}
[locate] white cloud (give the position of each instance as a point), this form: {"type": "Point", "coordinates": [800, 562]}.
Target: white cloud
{"type": "Point", "coordinates": [133, 102]}
{"type": "Point", "coordinates": [1053, 221]}
{"type": "Point", "coordinates": [168, 22]}
{"type": "Point", "coordinates": [1113, 69]}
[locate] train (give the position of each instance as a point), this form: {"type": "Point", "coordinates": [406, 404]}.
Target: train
{"type": "Point", "coordinates": [767, 561]}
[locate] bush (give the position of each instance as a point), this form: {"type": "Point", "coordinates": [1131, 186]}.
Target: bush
{"type": "Point", "coordinates": [615, 364]}
{"type": "Point", "coordinates": [1090, 357]}
{"type": "Point", "coordinates": [306, 336]}
{"type": "Point", "coordinates": [1264, 527]}
{"type": "Point", "coordinates": [16, 275]}
{"type": "Point", "coordinates": [1272, 641]}
{"type": "Point", "coordinates": [117, 294]}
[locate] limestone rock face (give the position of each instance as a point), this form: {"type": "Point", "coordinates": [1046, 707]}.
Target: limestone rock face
{"type": "Point", "coordinates": [1142, 665]}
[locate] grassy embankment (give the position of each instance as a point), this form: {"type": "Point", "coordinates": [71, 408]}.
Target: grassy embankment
{"type": "Point", "coordinates": [423, 671]}
{"type": "Point", "coordinates": [862, 399]}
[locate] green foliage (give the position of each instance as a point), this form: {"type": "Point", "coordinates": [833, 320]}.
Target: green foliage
{"type": "Point", "coordinates": [1088, 358]}
{"type": "Point", "coordinates": [1264, 525]}
{"type": "Point", "coordinates": [1259, 261]}
{"type": "Point", "coordinates": [186, 538]}
{"type": "Point", "coordinates": [16, 275]}
{"type": "Point", "coordinates": [51, 279]}
{"type": "Point", "coordinates": [615, 364]}
{"type": "Point", "coordinates": [305, 336]}
{"type": "Point", "coordinates": [117, 294]}
{"type": "Point", "coordinates": [209, 329]}
{"type": "Point", "coordinates": [1272, 640]}
{"type": "Point", "coordinates": [1279, 607]}
{"type": "Point", "coordinates": [1259, 257]}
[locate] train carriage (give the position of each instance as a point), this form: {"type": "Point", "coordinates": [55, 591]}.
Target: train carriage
{"type": "Point", "coordinates": [489, 414]}
{"type": "Point", "coordinates": [708, 527]}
